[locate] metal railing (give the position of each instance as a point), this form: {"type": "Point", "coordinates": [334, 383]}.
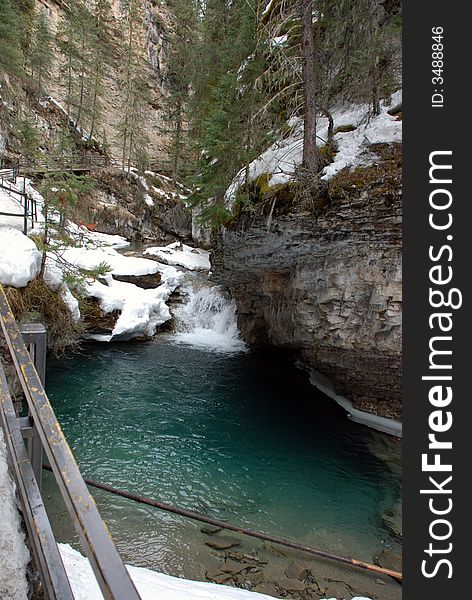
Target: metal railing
{"type": "Point", "coordinates": [28, 203]}
{"type": "Point", "coordinates": [43, 432]}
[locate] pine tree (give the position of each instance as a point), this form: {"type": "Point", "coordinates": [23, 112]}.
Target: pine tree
{"type": "Point", "coordinates": [69, 46]}
{"type": "Point", "coordinates": [135, 88]}
{"type": "Point", "coordinates": [101, 50]}
{"type": "Point", "coordinates": [41, 54]}
{"type": "Point", "coordinates": [61, 191]}
{"type": "Point", "coordinates": [181, 65]}
{"type": "Point", "coordinates": [27, 139]}
{"type": "Point", "coordinates": [10, 49]}
{"type": "Point", "coordinates": [227, 134]}
{"type": "Point", "coordinates": [310, 153]}
{"type": "Point", "coordinates": [84, 34]}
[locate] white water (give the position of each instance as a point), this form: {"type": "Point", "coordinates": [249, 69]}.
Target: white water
{"type": "Point", "coordinates": [208, 321]}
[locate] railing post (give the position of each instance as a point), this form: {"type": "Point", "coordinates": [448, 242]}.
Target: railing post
{"type": "Point", "coordinates": [35, 337]}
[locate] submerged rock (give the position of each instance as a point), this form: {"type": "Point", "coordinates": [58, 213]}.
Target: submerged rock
{"type": "Point", "coordinates": [389, 560]}
{"type": "Point", "coordinates": [222, 543]}
{"type": "Point", "coordinates": [210, 530]}
{"type": "Point", "coordinates": [298, 570]}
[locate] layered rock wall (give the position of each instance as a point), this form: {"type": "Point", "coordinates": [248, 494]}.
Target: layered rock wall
{"type": "Point", "coordinates": [328, 285]}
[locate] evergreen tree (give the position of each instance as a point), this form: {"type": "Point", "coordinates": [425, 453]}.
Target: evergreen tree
{"type": "Point", "coordinates": [84, 33]}
{"type": "Point", "coordinates": [228, 136]}
{"type": "Point", "coordinates": [41, 54]}
{"type": "Point", "coordinates": [27, 139]}
{"type": "Point", "coordinates": [10, 49]}
{"type": "Point", "coordinates": [181, 66]}
{"type": "Point", "coordinates": [135, 88]}
{"type": "Point", "coordinates": [68, 44]}
{"type": "Point", "coordinates": [75, 40]}
{"type": "Point", "coordinates": [25, 14]}
{"type": "Point", "coordinates": [101, 50]}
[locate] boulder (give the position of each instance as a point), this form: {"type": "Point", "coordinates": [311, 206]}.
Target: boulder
{"type": "Point", "coordinates": [222, 543]}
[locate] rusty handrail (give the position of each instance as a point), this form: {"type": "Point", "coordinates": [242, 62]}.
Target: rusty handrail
{"type": "Point", "coordinates": [108, 567]}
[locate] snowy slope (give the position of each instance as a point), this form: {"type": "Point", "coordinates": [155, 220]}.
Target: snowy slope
{"type": "Point", "coordinates": [283, 157]}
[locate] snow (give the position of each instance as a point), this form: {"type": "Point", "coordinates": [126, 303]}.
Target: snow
{"type": "Point", "coordinates": [268, 7]}
{"type": "Point", "coordinates": [20, 260]}
{"type": "Point", "coordinates": [147, 198]}
{"type": "Point", "coordinates": [193, 259]}
{"type": "Point", "coordinates": [170, 180]}
{"type": "Point", "coordinates": [85, 237]}
{"type": "Point", "coordinates": [142, 311]}
{"type": "Point", "coordinates": [10, 203]}
{"type": "Point", "coordinates": [150, 584]}
{"type": "Point", "coordinates": [13, 552]}
{"type": "Point", "coordinates": [279, 40]}
{"type": "Point", "coordinates": [281, 160]}
{"type": "Point", "coordinates": [381, 129]}
{"type": "Point", "coordinates": [87, 257]}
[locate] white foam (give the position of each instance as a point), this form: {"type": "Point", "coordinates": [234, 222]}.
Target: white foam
{"type": "Point", "coordinates": [208, 321]}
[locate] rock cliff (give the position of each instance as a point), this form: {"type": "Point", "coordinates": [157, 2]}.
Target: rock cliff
{"type": "Point", "coordinates": [153, 47]}
{"type": "Point", "coordinates": [325, 282]}
{"type": "Point", "coordinates": [141, 208]}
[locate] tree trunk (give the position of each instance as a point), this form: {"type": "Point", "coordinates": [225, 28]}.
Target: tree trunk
{"type": "Point", "coordinates": [310, 156]}
{"type": "Point", "coordinates": [329, 116]}
{"type": "Point", "coordinates": [177, 141]}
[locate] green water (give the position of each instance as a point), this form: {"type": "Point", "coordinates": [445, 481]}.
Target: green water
{"type": "Point", "coordinates": [243, 437]}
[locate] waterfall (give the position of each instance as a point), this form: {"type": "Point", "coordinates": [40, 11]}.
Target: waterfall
{"type": "Point", "coordinates": [208, 320]}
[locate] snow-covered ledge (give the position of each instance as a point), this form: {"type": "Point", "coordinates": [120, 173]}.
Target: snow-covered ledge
{"type": "Point", "coordinates": [383, 424]}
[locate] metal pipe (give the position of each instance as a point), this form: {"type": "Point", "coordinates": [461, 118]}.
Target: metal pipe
{"type": "Point", "coordinates": [190, 514]}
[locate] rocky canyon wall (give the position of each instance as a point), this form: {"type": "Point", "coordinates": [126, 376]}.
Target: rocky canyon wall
{"type": "Point", "coordinates": [153, 47]}
{"type": "Point", "coordinates": [326, 283]}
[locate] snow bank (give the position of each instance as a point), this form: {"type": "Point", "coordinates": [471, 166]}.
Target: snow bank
{"type": "Point", "coordinates": [14, 556]}
{"type": "Point", "coordinates": [147, 198]}
{"type": "Point", "coordinates": [281, 160]}
{"type": "Point", "coordinates": [193, 259]}
{"type": "Point", "coordinates": [20, 260]}
{"type": "Point", "coordinates": [150, 584]}
{"type": "Point", "coordinates": [89, 258]}
{"type": "Point", "coordinates": [85, 237]}
{"type": "Point", "coordinates": [141, 311]}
